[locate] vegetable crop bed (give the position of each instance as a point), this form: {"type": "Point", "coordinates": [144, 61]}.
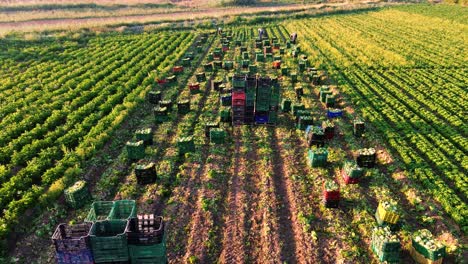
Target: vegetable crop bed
{"type": "Point", "coordinates": [252, 194]}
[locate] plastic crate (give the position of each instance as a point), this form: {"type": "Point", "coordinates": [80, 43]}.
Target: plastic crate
{"type": "Point", "coordinates": [201, 77]}
{"type": "Point", "coordinates": [135, 150]}
{"type": "Point", "coordinates": [77, 195]}
{"type": "Point", "coordinates": [145, 230]}
{"type": "Point", "coordinates": [186, 145]}
{"type": "Point", "coordinates": [71, 238]}
{"type": "Point", "coordinates": [167, 104]}
{"type": "Point", "coordinates": [217, 135]}
{"type": "Point", "coordinates": [421, 259]}
{"type": "Point", "coordinates": [154, 97]}
{"type": "Point", "coordinates": [286, 105]}
{"type": "Point", "coordinates": [388, 257]}
{"type": "Point", "coordinates": [109, 241]}
{"type": "Point", "coordinates": [426, 252]}
{"type": "Point", "coordinates": [183, 106]}
{"type": "Point", "coordinates": [317, 157]}
{"type": "Point", "coordinates": [155, 253]}
{"type": "Point", "coordinates": [76, 257]}
{"type": "Point", "coordinates": [145, 173]}
{"type": "Point", "coordinates": [123, 210]}
{"type": "Point", "coordinates": [100, 210]}
{"type": "Point", "coordinates": [387, 216]}
{"type": "Point", "coordinates": [333, 113]}
{"type": "Point", "coordinates": [145, 134]}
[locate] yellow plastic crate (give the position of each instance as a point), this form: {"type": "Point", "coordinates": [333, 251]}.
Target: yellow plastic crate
{"type": "Point", "coordinates": [387, 216]}
{"type": "Point", "coordinates": [420, 259]}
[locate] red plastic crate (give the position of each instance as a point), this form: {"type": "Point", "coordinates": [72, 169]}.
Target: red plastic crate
{"type": "Point", "coordinates": [161, 81]}
{"type": "Point", "coordinates": [238, 96]}
{"type": "Point", "coordinates": [194, 86]}
{"type": "Point", "coordinates": [330, 195]}
{"type": "Point", "coordinates": [178, 69]}
{"type": "Point", "coordinates": [277, 64]}
{"type": "Point", "coordinates": [238, 103]}
{"type": "Point", "coordinates": [347, 179]}
{"type": "Point", "coordinates": [225, 49]}
{"type": "Point", "coordinates": [329, 134]}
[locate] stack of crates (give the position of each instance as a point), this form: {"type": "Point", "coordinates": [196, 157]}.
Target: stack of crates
{"type": "Point", "coordinates": [426, 249]}
{"type": "Point", "coordinates": [108, 237]}
{"type": "Point", "coordinates": [146, 239]}
{"type": "Point", "coordinates": [274, 100]}
{"type": "Point", "coordinates": [217, 135]}
{"type": "Point", "coordinates": [183, 106]}
{"type": "Point", "coordinates": [72, 244]}
{"type": "Point", "coordinates": [239, 83]}
{"type": "Point", "coordinates": [387, 213]}
{"type": "Point", "coordinates": [359, 127]}
{"type": "Point", "coordinates": [329, 129]}
{"type": "Point", "coordinates": [315, 136]}
{"type": "Point", "coordinates": [154, 97]}
{"type": "Point", "coordinates": [145, 134]}
{"type": "Point", "coordinates": [77, 195]}
{"type": "Point", "coordinates": [317, 157]}
{"type": "Point", "coordinates": [385, 245]}
{"type": "Point", "coordinates": [366, 157]}
{"type": "Point", "coordinates": [331, 194]}
{"type": "Point", "coordinates": [185, 145]}
{"type": "Point", "coordinates": [145, 173]}
{"type": "Point", "coordinates": [351, 172]}
{"type": "Point", "coordinates": [250, 91]}
{"type": "Point", "coordinates": [160, 114]}
{"type": "Point", "coordinates": [262, 103]}
{"type": "Point", "coordinates": [135, 150]}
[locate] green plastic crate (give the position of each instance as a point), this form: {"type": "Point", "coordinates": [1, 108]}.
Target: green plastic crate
{"type": "Point", "coordinates": [77, 195]}
{"type": "Point", "coordinates": [304, 121]}
{"type": "Point", "coordinates": [135, 150]}
{"type": "Point", "coordinates": [109, 241]}
{"type": "Point", "coordinates": [418, 241]}
{"type": "Point", "coordinates": [286, 105]}
{"type": "Point", "coordinates": [123, 210]}
{"type": "Point", "coordinates": [155, 253]}
{"type": "Point", "coordinates": [317, 157]}
{"type": "Point", "coordinates": [217, 135]}
{"type": "Point", "coordinates": [295, 107]}
{"type": "Point", "coordinates": [145, 134]}
{"type": "Point", "coordinates": [201, 77]}
{"type": "Point", "coordinates": [100, 210]}
{"type": "Point", "coordinates": [259, 57]}
{"type": "Point", "coordinates": [186, 145]}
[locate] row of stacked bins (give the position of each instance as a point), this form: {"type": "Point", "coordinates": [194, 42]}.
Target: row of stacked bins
{"type": "Point", "coordinates": [254, 100]}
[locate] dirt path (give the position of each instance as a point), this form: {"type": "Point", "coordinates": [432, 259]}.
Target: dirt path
{"type": "Point", "coordinates": [48, 24]}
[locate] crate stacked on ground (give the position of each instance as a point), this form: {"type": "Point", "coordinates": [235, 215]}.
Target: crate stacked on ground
{"type": "Point", "coordinates": [217, 53]}
{"type": "Point", "coordinates": [194, 87]}
{"type": "Point", "coordinates": [209, 126]}
{"type": "Point", "coordinates": [250, 92]}
{"type": "Point", "coordinates": [107, 235]}
{"type": "Point", "coordinates": [327, 97]}
{"type": "Point", "coordinates": [334, 112]}
{"type": "Point", "coordinates": [351, 172]}
{"type": "Point", "coordinates": [426, 249]}
{"type": "Point", "coordinates": [328, 129]}
{"type": "Point", "coordinates": [317, 157]}
{"type": "Point", "coordinates": [238, 99]}
{"type": "Point", "coordinates": [135, 150]}
{"type": "Point", "coordinates": [145, 134]}
{"type": "Point", "coordinates": [385, 245]}
{"type": "Point", "coordinates": [286, 105]}
{"type": "Point", "coordinates": [215, 84]}
{"type": "Point", "coordinates": [185, 145]}
{"type": "Point", "coordinates": [183, 106]}
{"type": "Point", "coordinates": [262, 103]}
{"type": "Point", "coordinates": [387, 213]}
{"type": "Point", "coordinates": [296, 107]}
{"type": "Point", "coordinates": [145, 172]}
{"type": "Point", "coordinates": [331, 193]}
{"type": "Point", "coordinates": [77, 195]}
{"type": "Point", "coordinates": [154, 97]}
{"type": "Point", "coordinates": [315, 136]}
{"type": "Point", "coordinates": [201, 76]}
{"type": "Point", "coordinates": [366, 157]}
{"type": "Point", "coordinates": [72, 244]}
{"type": "Point", "coordinates": [303, 121]}
{"type": "Point", "coordinates": [109, 241]}
{"type": "Point", "coordinates": [146, 239]}
{"type": "Point", "coordinates": [217, 135]}
{"type": "Point", "coordinates": [225, 114]}
{"type": "Point", "coordinates": [160, 113]}
{"type": "Point", "coordinates": [358, 127]}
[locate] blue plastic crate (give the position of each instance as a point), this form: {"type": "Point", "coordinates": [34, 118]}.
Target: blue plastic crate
{"type": "Point", "coordinates": [334, 114]}
{"type": "Point", "coordinates": [261, 119]}
{"type": "Point", "coordinates": [77, 257]}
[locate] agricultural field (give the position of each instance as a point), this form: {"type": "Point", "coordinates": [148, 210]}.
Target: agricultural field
{"type": "Point", "coordinates": [71, 102]}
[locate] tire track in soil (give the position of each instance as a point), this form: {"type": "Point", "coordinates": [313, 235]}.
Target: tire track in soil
{"type": "Point", "coordinates": [286, 207]}
{"type": "Point", "coordinates": [287, 166]}
{"type": "Point", "coordinates": [233, 238]}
